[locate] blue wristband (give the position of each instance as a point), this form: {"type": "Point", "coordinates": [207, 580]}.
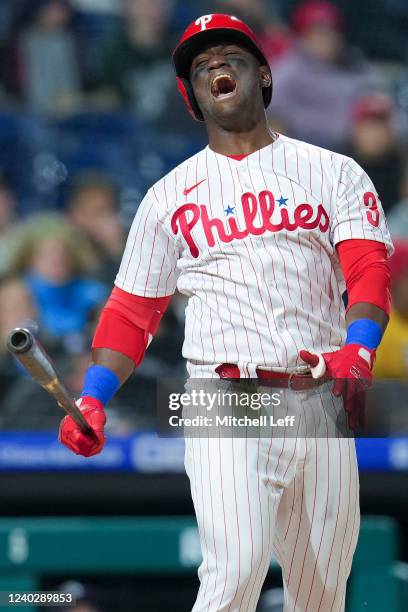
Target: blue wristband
{"type": "Point", "coordinates": [366, 332]}
{"type": "Point", "coordinates": [101, 383]}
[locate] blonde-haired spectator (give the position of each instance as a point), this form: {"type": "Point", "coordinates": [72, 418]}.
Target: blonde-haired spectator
{"type": "Point", "coordinates": [56, 262]}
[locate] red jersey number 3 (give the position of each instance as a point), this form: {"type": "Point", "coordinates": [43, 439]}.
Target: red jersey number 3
{"type": "Point", "coordinates": [373, 214]}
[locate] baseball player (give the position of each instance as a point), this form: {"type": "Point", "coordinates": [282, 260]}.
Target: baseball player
{"type": "Point", "coordinates": [263, 234]}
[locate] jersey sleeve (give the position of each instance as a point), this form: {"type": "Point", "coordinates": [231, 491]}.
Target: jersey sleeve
{"type": "Point", "coordinates": [149, 262]}
{"type": "Point", "coordinates": [358, 212]}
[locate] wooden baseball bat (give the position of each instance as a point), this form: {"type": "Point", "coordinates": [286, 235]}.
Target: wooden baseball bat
{"type": "Point", "coordinates": [24, 346]}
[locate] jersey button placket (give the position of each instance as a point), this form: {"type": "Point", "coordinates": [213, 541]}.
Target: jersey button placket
{"type": "Point", "coordinates": [246, 183]}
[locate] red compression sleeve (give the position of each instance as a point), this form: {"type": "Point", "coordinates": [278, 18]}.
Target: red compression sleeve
{"type": "Point", "coordinates": [366, 270]}
{"type": "Point", "coordinates": [126, 322]}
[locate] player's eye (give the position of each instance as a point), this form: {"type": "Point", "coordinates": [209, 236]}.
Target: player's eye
{"type": "Point", "coordinates": [232, 52]}
{"type": "Point", "coordinates": [200, 62]}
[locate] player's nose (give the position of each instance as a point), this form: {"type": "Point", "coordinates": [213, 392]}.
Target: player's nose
{"type": "Point", "coordinates": [216, 61]}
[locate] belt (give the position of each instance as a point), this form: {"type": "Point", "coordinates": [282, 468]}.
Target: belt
{"type": "Point", "coordinates": [282, 380]}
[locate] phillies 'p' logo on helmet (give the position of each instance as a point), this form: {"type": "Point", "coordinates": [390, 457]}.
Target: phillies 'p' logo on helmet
{"type": "Point", "coordinates": [211, 28]}
{"type": "Point", "coordinates": [203, 21]}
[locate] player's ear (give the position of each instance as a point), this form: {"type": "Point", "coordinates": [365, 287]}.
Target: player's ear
{"type": "Point", "coordinates": [265, 76]}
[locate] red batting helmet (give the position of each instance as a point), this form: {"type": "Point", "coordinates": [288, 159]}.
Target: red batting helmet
{"type": "Point", "coordinates": [210, 28]}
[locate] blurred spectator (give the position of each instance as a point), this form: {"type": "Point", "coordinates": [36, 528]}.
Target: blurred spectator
{"type": "Point", "coordinates": [136, 66]}
{"type": "Point", "coordinates": [96, 6]}
{"type": "Point", "coordinates": [16, 308]}
{"type": "Point", "coordinates": [93, 208]}
{"type": "Point", "coordinates": [7, 207]}
{"type": "Point", "coordinates": [316, 84]}
{"type": "Point", "coordinates": [46, 59]}
{"type": "Point", "coordinates": [16, 305]}
{"type": "Point", "coordinates": [7, 217]}
{"type": "Point", "coordinates": [398, 217]}
{"type": "Point", "coordinates": [17, 388]}
{"type": "Point", "coordinates": [274, 35]}
{"type": "Point", "coordinates": [54, 259]}
{"type": "Point", "coordinates": [392, 355]}
{"type": "Point", "coordinates": [6, 10]}
{"type": "Point", "coordinates": [374, 145]}
{"type": "Point", "coordinates": [96, 22]}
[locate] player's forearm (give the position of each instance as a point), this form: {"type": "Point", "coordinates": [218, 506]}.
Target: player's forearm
{"type": "Point", "coordinates": [120, 364]}
{"type": "Point", "coordinates": [363, 310]}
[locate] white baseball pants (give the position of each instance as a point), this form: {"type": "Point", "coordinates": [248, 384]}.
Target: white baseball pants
{"type": "Point", "coordinates": [295, 497]}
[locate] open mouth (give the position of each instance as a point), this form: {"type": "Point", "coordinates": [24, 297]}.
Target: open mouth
{"type": "Point", "coordinates": [223, 86]}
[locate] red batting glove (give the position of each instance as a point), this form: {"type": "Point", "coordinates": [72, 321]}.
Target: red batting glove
{"type": "Point", "coordinates": [72, 437]}
{"type": "Point", "coordinates": [350, 367]}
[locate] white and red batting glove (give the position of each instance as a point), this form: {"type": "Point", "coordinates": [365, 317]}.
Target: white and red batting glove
{"type": "Point", "coordinates": [72, 437]}
{"type": "Point", "coordinates": [351, 369]}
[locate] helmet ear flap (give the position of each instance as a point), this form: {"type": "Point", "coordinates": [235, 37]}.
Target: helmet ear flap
{"type": "Point", "coordinates": [185, 89]}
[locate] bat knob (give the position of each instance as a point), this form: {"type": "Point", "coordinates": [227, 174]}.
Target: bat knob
{"type": "Point", "coordinates": [20, 340]}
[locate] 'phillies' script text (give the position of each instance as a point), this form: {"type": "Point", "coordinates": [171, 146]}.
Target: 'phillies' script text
{"type": "Point", "coordinates": [304, 216]}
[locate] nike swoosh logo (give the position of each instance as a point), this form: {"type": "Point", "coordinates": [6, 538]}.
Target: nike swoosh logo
{"type": "Point", "coordinates": [187, 191]}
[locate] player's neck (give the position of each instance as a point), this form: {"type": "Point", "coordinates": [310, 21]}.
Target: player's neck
{"type": "Point", "coordinates": [228, 142]}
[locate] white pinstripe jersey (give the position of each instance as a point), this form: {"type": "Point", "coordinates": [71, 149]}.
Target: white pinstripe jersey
{"type": "Point", "coordinates": [252, 245]}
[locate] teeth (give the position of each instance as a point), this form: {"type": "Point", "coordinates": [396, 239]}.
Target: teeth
{"type": "Point", "coordinates": [223, 76]}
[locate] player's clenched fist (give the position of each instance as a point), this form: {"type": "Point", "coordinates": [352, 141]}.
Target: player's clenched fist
{"type": "Point", "coordinates": [71, 435]}
{"type": "Point", "coordinates": [351, 369]}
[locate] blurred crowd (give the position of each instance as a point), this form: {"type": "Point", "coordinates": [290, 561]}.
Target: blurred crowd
{"type": "Point", "coordinates": [90, 118]}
